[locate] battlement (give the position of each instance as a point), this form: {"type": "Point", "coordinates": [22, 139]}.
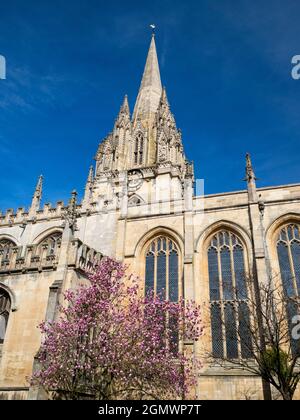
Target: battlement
{"type": "Point", "coordinates": [83, 257]}
{"type": "Point", "coordinates": [43, 257]}
{"type": "Point", "coordinates": [22, 217]}
{"type": "Point", "coordinates": [28, 258]}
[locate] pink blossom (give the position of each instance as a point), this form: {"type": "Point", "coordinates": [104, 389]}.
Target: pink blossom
{"type": "Point", "coordinates": [112, 342]}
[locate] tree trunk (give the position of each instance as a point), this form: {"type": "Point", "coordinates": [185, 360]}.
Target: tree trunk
{"type": "Point", "coordinates": [287, 394]}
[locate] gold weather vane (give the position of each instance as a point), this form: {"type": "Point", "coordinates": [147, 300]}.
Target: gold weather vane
{"type": "Point", "coordinates": [153, 27]}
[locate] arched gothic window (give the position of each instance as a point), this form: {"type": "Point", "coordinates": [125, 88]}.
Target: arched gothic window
{"type": "Point", "coordinates": [6, 246]}
{"type": "Point", "coordinates": [5, 305]}
{"type": "Point", "coordinates": [51, 244]}
{"type": "Point", "coordinates": [162, 269]}
{"type": "Point", "coordinates": [288, 249]}
{"type": "Point", "coordinates": [162, 277]}
{"type": "Point", "coordinates": [139, 149]}
{"type": "Point", "coordinates": [230, 316]}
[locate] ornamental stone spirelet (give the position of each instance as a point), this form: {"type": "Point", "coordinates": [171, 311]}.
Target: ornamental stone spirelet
{"type": "Point", "coordinates": [71, 213]}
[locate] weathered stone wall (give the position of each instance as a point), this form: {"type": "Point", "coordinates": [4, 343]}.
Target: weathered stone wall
{"type": "Point", "coordinates": [126, 236]}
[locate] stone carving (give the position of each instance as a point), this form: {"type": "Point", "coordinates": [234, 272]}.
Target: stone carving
{"type": "Point", "coordinates": [71, 214]}
{"type": "Point", "coordinates": [135, 201]}
{"type": "Point", "coordinates": [135, 180]}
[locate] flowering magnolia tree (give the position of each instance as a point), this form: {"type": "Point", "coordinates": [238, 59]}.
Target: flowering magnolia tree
{"type": "Point", "coordinates": [112, 342]}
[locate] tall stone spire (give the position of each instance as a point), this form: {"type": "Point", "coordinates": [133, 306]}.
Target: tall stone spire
{"type": "Point", "coordinates": [37, 196]}
{"type": "Point", "coordinates": [151, 89]}
{"type": "Point", "coordinates": [88, 187]}
{"type": "Point", "coordinates": [251, 179]}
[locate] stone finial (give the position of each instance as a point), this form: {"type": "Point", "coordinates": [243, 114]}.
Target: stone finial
{"type": "Point", "coordinates": [125, 106]}
{"type": "Point", "coordinates": [71, 213]}
{"type": "Point", "coordinates": [88, 187]}
{"type": "Point", "coordinates": [164, 98]}
{"type": "Point", "coordinates": [37, 196]}
{"type": "Point", "coordinates": [123, 118]}
{"type": "Point", "coordinates": [251, 180]}
{"type": "Point", "coordinates": [91, 175]}
{"type": "Point", "coordinates": [250, 175]}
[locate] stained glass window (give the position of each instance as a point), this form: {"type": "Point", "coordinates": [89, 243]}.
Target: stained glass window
{"type": "Point", "coordinates": [288, 249]}
{"type": "Point", "coordinates": [149, 281]}
{"type": "Point", "coordinates": [226, 274]}
{"type": "Point", "coordinates": [4, 313]}
{"type": "Point", "coordinates": [239, 269]}
{"type": "Point", "coordinates": [292, 311]}
{"type": "Point", "coordinates": [230, 317]}
{"type": "Point", "coordinates": [162, 277]}
{"type": "Point", "coordinates": [213, 274]}
{"type": "Point", "coordinates": [162, 269]}
{"type": "Point", "coordinates": [216, 329]}
{"type": "Point", "coordinates": [6, 247]}
{"type": "Point", "coordinates": [51, 243]}
{"type": "Point", "coordinates": [161, 281]}
{"type": "Point", "coordinates": [244, 330]}
{"type": "Point", "coordinates": [173, 276]}
{"type": "Point", "coordinates": [231, 332]}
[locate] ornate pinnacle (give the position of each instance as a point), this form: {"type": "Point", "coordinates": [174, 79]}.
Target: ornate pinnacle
{"type": "Point", "coordinates": [39, 187]}
{"type": "Point", "coordinates": [250, 178]}
{"type": "Point", "coordinates": [37, 196]}
{"type": "Point", "coordinates": [71, 213]}
{"type": "Point", "coordinates": [91, 175]}
{"type": "Point", "coordinates": [250, 175]}
{"type": "Point", "coordinates": [88, 186]}
{"type": "Point", "coordinates": [164, 98]}
{"type": "Point", "coordinates": [124, 114]}
{"type": "Point", "coordinates": [125, 105]}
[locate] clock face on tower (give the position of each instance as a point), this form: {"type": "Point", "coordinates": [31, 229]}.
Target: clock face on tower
{"type": "Point", "coordinates": [135, 180]}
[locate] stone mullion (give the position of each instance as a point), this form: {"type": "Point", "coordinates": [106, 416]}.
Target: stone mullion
{"type": "Point", "coordinates": [291, 261]}
{"type": "Point", "coordinates": [155, 267]}
{"type": "Point", "coordinates": [234, 292]}
{"type": "Point", "coordinates": [167, 287]}
{"type": "Point", "coordinates": [167, 271]}
{"type": "Point", "coordinates": [180, 275]}
{"type": "Point", "coordinates": [222, 302]}
{"type": "Point", "coordinates": [249, 293]}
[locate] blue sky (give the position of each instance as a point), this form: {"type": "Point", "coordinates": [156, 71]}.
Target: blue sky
{"type": "Point", "coordinates": [226, 65]}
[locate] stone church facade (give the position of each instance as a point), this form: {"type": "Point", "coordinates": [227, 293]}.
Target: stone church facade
{"type": "Point", "coordinates": [140, 207]}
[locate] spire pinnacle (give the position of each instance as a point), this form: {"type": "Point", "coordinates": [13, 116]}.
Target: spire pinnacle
{"type": "Point", "coordinates": [123, 117]}
{"type": "Point", "coordinates": [37, 196]}
{"type": "Point", "coordinates": [91, 175]}
{"type": "Point", "coordinates": [164, 97]}
{"type": "Point", "coordinates": [88, 186]}
{"type": "Point", "coordinates": [150, 90]}
{"type": "Point", "coordinates": [250, 175]}
{"type": "Point", "coordinates": [71, 213]}
{"type": "Point", "coordinates": [125, 105]}
{"type": "Point", "coordinates": [250, 178]}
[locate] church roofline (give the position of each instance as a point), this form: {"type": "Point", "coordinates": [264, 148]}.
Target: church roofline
{"type": "Point", "coordinates": [276, 187]}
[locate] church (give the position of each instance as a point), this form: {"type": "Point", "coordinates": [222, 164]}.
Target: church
{"type": "Point", "coordinates": [141, 208]}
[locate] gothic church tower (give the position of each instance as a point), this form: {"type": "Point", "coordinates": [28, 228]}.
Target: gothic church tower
{"type": "Point", "coordinates": [142, 159]}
